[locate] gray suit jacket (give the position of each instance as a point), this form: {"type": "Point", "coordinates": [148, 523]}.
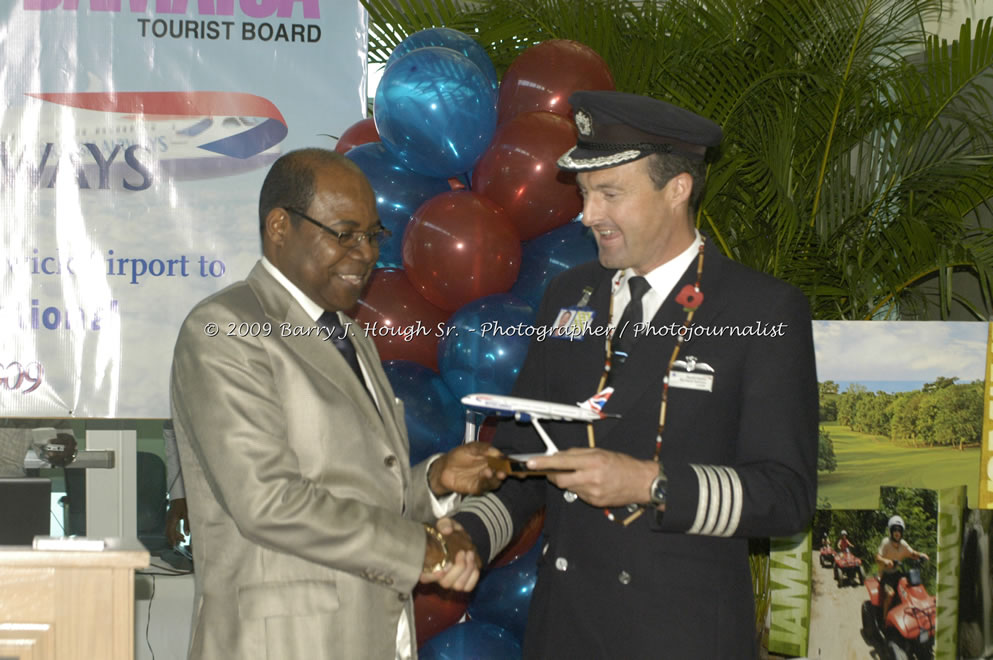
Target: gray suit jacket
{"type": "Point", "coordinates": [302, 502]}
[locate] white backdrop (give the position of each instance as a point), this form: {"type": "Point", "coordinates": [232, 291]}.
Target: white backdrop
{"type": "Point", "coordinates": [134, 141]}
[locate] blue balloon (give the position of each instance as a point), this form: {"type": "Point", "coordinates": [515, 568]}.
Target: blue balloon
{"type": "Point", "coordinates": [435, 418]}
{"type": "Point", "coordinates": [546, 256]}
{"type": "Point", "coordinates": [399, 191]}
{"type": "Point", "coordinates": [436, 111]}
{"type": "Point", "coordinates": [485, 348]}
{"type": "Point", "coordinates": [471, 640]}
{"type": "Point", "coordinates": [503, 595]}
{"type": "Point", "coordinates": [448, 38]}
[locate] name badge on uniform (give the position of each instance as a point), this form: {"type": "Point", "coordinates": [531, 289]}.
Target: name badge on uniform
{"type": "Point", "coordinates": [691, 374]}
{"type": "Point", "coordinates": [572, 323]}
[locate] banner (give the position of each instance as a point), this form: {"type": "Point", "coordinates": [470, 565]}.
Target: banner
{"type": "Point", "coordinates": [986, 469]}
{"type": "Point", "coordinates": [901, 403]}
{"type": "Point", "coordinates": [851, 615]}
{"type": "Point", "coordinates": [135, 138]}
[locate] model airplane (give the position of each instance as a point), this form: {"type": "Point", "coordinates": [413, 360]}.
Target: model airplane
{"type": "Point", "coordinates": [533, 410]}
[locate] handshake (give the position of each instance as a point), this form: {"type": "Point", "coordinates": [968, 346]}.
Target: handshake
{"type": "Point", "coordinates": [450, 557]}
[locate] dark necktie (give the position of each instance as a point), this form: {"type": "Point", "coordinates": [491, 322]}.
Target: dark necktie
{"type": "Point", "coordinates": [625, 334]}
{"type": "Point", "coordinates": [341, 341]}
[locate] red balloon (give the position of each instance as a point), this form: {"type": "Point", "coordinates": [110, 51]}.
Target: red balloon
{"type": "Point", "coordinates": [487, 429]}
{"type": "Point", "coordinates": [544, 76]}
{"type": "Point", "coordinates": [460, 246]}
{"type": "Point", "coordinates": [519, 172]}
{"type": "Point", "coordinates": [436, 609]}
{"type": "Point", "coordinates": [523, 542]}
{"type": "Point", "coordinates": [400, 321]}
{"type": "Point", "coordinates": [360, 132]}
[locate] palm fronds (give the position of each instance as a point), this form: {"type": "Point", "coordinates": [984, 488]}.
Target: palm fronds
{"type": "Point", "coordinates": [858, 153]}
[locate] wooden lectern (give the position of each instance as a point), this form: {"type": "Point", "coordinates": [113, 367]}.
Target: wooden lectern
{"type": "Point", "coordinates": [66, 604]}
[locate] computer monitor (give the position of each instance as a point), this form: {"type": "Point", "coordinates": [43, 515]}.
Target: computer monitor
{"type": "Point", "coordinates": [25, 509]}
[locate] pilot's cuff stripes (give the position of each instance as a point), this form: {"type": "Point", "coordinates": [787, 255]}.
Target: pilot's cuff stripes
{"type": "Point", "coordinates": [718, 511]}
{"type": "Point", "coordinates": [495, 518]}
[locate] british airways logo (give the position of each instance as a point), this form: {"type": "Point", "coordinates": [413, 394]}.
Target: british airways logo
{"type": "Point", "coordinates": [191, 104]}
{"type": "Point", "coordinates": [126, 139]}
{"type": "Point", "coordinates": [598, 400]}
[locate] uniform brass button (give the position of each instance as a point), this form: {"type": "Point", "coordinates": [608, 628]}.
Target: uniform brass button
{"type": "Point", "coordinates": [562, 564]}
{"type": "Point", "coordinates": [570, 496]}
{"type": "Point", "coordinates": [624, 577]}
{"type": "Point", "coordinates": [390, 461]}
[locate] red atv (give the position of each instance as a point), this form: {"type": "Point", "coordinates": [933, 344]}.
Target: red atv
{"type": "Point", "coordinates": [848, 568]}
{"type": "Point", "coordinates": [827, 556]}
{"type": "Point", "coordinates": [908, 631]}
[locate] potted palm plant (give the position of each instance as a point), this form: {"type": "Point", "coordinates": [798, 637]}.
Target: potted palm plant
{"type": "Point", "coordinates": [858, 159]}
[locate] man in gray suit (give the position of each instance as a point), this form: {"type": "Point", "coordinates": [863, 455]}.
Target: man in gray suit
{"type": "Point", "coordinates": [295, 454]}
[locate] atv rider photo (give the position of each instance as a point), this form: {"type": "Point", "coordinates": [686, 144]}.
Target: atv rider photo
{"type": "Point", "coordinates": [844, 543]}
{"type": "Point", "coordinates": [892, 550]}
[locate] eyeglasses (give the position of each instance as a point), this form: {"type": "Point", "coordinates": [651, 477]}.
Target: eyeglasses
{"type": "Point", "coordinates": [348, 239]}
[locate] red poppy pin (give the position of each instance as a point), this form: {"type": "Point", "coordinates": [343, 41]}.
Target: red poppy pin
{"type": "Point", "coordinates": [689, 297]}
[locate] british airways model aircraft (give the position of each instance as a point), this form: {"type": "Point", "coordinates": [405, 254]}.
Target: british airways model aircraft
{"type": "Point", "coordinates": [533, 410]}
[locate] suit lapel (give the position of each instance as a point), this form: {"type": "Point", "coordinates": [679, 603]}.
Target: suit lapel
{"type": "Point", "coordinates": [377, 377]}
{"type": "Point", "coordinates": [589, 363]}
{"type": "Point", "coordinates": [311, 348]}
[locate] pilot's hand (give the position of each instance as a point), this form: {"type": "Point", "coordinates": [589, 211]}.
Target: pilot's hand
{"type": "Point", "coordinates": [465, 470]}
{"type": "Point", "coordinates": [889, 562]}
{"type": "Point", "coordinates": [600, 477]}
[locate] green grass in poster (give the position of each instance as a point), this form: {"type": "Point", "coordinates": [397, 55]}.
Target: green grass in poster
{"type": "Point", "coordinates": [866, 462]}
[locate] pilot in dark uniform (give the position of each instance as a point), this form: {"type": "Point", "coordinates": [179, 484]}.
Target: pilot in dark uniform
{"type": "Point", "coordinates": [710, 383]}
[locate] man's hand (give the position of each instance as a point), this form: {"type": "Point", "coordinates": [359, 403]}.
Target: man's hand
{"type": "Point", "coordinates": [462, 572]}
{"type": "Point", "coordinates": [177, 514]}
{"type": "Point", "coordinates": [600, 477]}
{"type": "Point", "coordinates": [465, 470]}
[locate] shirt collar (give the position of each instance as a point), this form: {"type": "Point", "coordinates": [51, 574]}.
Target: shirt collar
{"type": "Point", "coordinates": [312, 309]}
{"type": "Point", "coordinates": [663, 278]}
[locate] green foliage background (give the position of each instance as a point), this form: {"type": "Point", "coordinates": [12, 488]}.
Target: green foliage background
{"type": "Point", "coordinates": [858, 157]}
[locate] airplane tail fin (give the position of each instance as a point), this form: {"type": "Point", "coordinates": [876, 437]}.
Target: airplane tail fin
{"type": "Point", "coordinates": [597, 401]}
